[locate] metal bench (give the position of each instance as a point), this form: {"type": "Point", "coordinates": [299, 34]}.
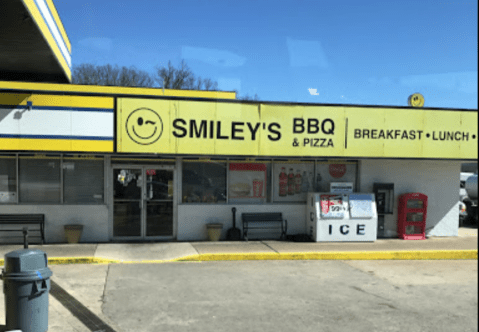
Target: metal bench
{"type": "Point", "coordinates": [264, 220]}
{"type": "Point", "coordinates": [24, 220]}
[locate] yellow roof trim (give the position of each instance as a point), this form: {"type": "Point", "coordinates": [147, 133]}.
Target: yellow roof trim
{"type": "Point", "coordinates": [57, 19]}
{"type": "Point", "coordinates": [49, 38]}
{"type": "Point", "coordinates": [114, 90]}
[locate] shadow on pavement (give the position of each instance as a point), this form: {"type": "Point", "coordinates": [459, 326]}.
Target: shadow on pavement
{"type": "Point", "coordinates": [88, 318]}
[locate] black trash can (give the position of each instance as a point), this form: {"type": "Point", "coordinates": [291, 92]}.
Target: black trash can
{"type": "Point", "coordinates": [26, 285]}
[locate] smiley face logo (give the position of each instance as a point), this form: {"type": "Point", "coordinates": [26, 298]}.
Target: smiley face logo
{"type": "Point", "coordinates": [416, 100]}
{"type": "Point", "coordinates": [144, 126]}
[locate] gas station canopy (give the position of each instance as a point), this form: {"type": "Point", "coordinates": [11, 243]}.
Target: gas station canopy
{"type": "Point", "coordinates": [33, 42]}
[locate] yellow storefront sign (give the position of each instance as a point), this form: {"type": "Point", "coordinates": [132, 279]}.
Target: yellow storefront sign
{"type": "Point", "coordinates": [225, 128]}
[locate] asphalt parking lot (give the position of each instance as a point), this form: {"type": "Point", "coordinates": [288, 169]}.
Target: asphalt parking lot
{"type": "Point", "coordinates": [134, 292]}
{"type": "Point", "coordinates": [434, 295]}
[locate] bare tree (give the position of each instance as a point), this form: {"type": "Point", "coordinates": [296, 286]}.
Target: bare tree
{"type": "Point", "coordinates": [109, 75]}
{"type": "Point", "coordinates": [166, 77]}
{"type": "Point", "coordinates": [246, 97]}
{"type": "Point", "coordinates": [210, 85]}
{"type": "Point", "coordinates": [182, 78]}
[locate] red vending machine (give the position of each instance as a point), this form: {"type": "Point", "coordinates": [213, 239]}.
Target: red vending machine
{"type": "Point", "coordinates": [412, 211]}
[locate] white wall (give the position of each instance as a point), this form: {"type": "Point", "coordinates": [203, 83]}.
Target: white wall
{"type": "Point", "coordinates": [192, 218]}
{"type": "Point", "coordinates": [439, 180]}
{"type": "Point", "coordinates": [94, 219]}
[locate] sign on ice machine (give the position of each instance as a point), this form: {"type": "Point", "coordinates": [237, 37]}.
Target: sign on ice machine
{"type": "Point", "coordinates": [341, 217]}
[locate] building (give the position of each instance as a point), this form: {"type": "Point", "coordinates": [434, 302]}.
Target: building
{"type": "Point", "coordinates": [152, 164]}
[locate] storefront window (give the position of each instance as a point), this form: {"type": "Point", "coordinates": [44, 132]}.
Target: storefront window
{"type": "Point", "coordinates": [82, 181]}
{"type": "Point", "coordinates": [292, 181]}
{"type": "Point", "coordinates": [204, 182]}
{"type": "Point", "coordinates": [249, 182]}
{"type": "Point", "coordinates": [39, 180]}
{"type": "Point", "coordinates": [327, 173]}
{"type": "Point", "coordinates": [8, 179]}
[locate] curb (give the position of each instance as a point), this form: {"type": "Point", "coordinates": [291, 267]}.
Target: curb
{"type": "Point", "coordinates": [80, 260]}
{"type": "Point", "coordinates": [75, 260]}
{"type": "Point", "coordinates": [344, 255]}
{"type": "Point", "coordinates": [331, 255]}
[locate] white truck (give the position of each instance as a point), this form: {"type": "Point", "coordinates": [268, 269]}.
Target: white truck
{"type": "Point", "coordinates": [468, 199]}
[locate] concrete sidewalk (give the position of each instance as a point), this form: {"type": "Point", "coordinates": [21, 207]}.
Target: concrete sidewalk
{"type": "Point", "coordinates": [463, 246]}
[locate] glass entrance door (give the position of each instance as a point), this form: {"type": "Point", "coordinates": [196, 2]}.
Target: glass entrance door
{"type": "Point", "coordinates": [127, 202]}
{"type": "Point", "coordinates": [143, 202]}
{"type": "Point", "coordinates": [159, 202]}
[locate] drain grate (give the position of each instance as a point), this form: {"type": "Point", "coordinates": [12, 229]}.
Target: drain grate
{"type": "Point", "coordinates": [88, 318]}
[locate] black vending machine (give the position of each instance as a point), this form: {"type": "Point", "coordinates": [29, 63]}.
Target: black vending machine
{"type": "Point", "coordinates": [384, 193]}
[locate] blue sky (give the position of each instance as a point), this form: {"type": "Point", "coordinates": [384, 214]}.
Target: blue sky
{"type": "Point", "coordinates": [352, 52]}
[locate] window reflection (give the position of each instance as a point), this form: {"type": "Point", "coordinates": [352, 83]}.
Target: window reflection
{"type": "Point", "coordinates": [82, 181]}
{"type": "Point", "coordinates": [204, 182]}
{"type": "Point", "coordinates": [8, 180]}
{"type": "Point", "coordinates": [127, 183]}
{"type": "Point", "coordinates": [39, 180]}
{"type": "Point", "coordinates": [159, 184]}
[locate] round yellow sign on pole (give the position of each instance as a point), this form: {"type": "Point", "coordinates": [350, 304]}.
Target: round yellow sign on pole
{"type": "Point", "coordinates": [416, 100]}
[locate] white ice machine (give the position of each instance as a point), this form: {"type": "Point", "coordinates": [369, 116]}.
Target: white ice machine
{"type": "Point", "coordinates": [340, 217]}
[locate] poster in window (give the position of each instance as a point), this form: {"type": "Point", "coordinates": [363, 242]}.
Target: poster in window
{"type": "Point", "coordinates": [292, 182]}
{"type": "Point", "coordinates": [328, 173]}
{"type": "Point", "coordinates": [247, 183]}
